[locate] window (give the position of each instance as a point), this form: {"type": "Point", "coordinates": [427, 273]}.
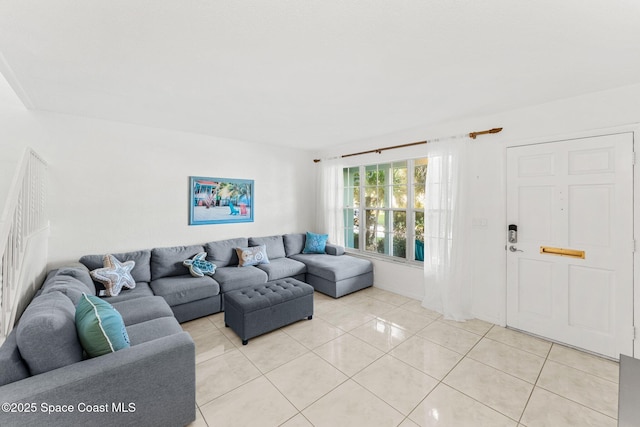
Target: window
{"type": "Point", "coordinates": [384, 208]}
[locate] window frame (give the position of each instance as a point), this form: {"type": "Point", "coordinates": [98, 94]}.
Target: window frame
{"type": "Point", "coordinates": [410, 210]}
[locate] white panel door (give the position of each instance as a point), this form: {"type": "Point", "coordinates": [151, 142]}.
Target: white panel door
{"type": "Point", "coordinates": [573, 195]}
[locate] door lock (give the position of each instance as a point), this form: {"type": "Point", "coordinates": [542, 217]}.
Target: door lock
{"type": "Point", "coordinates": [514, 249]}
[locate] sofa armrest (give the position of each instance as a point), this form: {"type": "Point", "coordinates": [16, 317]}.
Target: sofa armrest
{"type": "Point", "coordinates": [332, 249]}
{"type": "Point", "coordinates": [152, 383]}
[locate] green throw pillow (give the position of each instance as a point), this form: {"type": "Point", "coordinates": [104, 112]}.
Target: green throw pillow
{"type": "Point", "coordinates": [315, 243]}
{"type": "Point", "coordinates": [100, 327]}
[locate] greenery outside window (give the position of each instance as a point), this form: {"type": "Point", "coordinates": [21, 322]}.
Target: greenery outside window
{"type": "Point", "coordinates": [384, 208]}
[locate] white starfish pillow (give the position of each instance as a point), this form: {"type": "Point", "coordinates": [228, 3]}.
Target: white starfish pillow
{"type": "Point", "coordinates": [114, 275]}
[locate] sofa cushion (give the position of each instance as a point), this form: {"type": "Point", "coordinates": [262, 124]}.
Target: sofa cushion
{"type": "Point", "coordinates": [153, 329]}
{"type": "Point", "coordinates": [142, 289]}
{"type": "Point", "coordinates": [315, 243]}
{"type": "Point", "coordinates": [46, 334]}
{"type": "Point", "coordinates": [283, 267]}
{"type": "Point", "coordinates": [294, 243]}
{"type": "Point", "coordinates": [115, 275]}
{"type": "Point", "coordinates": [141, 272]}
{"type": "Point", "coordinates": [80, 273]}
{"type": "Point", "coordinates": [199, 266]}
{"type": "Point", "coordinates": [231, 278]}
{"type": "Point", "coordinates": [167, 262]}
{"type": "Point", "coordinates": [139, 310]}
{"type": "Point", "coordinates": [334, 268]}
{"type": "Point", "coordinates": [223, 252]}
{"type": "Point", "coordinates": [13, 367]}
{"type": "Point", "coordinates": [274, 244]}
{"type": "Point", "coordinates": [100, 327]}
{"type": "Point", "coordinates": [183, 289]}
{"type": "Point", "coordinates": [67, 285]}
{"type": "Point", "coordinates": [252, 256]}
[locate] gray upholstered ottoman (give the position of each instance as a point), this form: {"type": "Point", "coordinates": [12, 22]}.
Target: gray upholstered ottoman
{"type": "Point", "coordinates": [259, 309]}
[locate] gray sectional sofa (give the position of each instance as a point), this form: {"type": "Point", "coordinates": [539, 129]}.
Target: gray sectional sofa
{"type": "Point", "coordinates": [46, 380]}
{"type": "Point", "coordinates": [43, 368]}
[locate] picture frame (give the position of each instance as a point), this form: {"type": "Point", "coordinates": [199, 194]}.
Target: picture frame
{"type": "Point", "coordinates": [220, 200]}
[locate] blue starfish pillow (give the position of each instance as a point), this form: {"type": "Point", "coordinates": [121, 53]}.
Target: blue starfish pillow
{"type": "Point", "coordinates": [114, 275]}
{"type": "Point", "coordinates": [199, 266]}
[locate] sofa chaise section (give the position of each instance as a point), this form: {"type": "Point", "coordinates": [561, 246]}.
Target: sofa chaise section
{"type": "Point", "coordinates": [332, 273]}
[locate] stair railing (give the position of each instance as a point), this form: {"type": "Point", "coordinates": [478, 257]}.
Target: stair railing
{"type": "Point", "coordinates": [23, 219]}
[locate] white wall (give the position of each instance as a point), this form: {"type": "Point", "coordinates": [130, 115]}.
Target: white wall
{"type": "Point", "coordinates": [549, 121]}
{"type": "Point", "coordinates": [115, 187]}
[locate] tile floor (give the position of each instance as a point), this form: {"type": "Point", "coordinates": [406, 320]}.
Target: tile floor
{"type": "Point", "coordinates": [375, 358]}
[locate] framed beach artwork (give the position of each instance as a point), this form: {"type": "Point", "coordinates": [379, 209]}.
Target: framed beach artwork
{"type": "Point", "coordinates": [220, 200]}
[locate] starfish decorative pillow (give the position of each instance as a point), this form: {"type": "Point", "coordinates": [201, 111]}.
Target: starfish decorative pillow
{"type": "Point", "coordinates": [199, 266]}
{"type": "Point", "coordinates": [114, 275]}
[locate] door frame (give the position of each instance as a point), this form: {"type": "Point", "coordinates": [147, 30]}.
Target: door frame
{"type": "Point", "coordinates": [634, 129]}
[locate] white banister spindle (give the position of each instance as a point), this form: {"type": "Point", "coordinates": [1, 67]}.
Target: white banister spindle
{"type": "Point", "coordinates": [24, 214]}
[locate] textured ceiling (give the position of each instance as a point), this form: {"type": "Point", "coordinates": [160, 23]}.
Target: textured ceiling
{"type": "Point", "coordinates": [311, 74]}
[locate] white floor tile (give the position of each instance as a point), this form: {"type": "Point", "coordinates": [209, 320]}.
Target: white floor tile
{"type": "Point", "coordinates": [594, 365]}
{"type": "Point", "coordinates": [269, 351]}
{"type": "Point", "coordinates": [349, 354]}
{"type": "Point", "coordinates": [427, 356]}
{"type": "Point", "coordinates": [448, 336]}
{"type": "Point", "coordinates": [397, 383]}
{"type": "Point", "coordinates": [380, 334]}
{"type": "Point", "coordinates": [257, 403]}
{"type": "Point", "coordinates": [352, 405]}
{"type": "Point", "coordinates": [412, 322]}
{"type": "Point", "coordinates": [446, 407]}
{"type": "Point", "coordinates": [521, 364]}
{"type": "Point", "coordinates": [546, 409]}
{"type": "Point", "coordinates": [313, 333]}
{"type": "Point", "coordinates": [519, 340]}
{"type": "Point", "coordinates": [502, 392]}
{"type": "Point", "coordinates": [219, 375]}
{"type": "Point", "coordinates": [588, 390]}
{"type": "Point", "coordinates": [314, 370]}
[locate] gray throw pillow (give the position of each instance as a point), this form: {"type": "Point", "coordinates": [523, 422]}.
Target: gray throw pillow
{"type": "Point", "coordinates": [294, 243]}
{"type": "Point", "coordinates": [168, 262]}
{"type": "Point", "coordinates": [274, 244]}
{"type": "Point", "coordinates": [223, 252]}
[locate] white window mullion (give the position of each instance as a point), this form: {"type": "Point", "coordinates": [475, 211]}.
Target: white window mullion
{"type": "Point", "coordinates": [388, 226]}
{"type": "Point", "coordinates": [361, 211]}
{"type": "Point", "coordinates": [411, 223]}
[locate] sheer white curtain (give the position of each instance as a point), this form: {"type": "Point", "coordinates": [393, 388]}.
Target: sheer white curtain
{"type": "Point", "coordinates": [447, 275]}
{"type": "Point", "coordinates": [330, 217]}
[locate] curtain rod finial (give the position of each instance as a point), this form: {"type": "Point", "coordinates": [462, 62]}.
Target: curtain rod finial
{"type": "Point", "coordinates": [473, 135]}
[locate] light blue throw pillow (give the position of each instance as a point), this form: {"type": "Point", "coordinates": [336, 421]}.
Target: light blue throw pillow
{"type": "Point", "coordinates": [100, 327]}
{"type": "Point", "coordinates": [315, 243]}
